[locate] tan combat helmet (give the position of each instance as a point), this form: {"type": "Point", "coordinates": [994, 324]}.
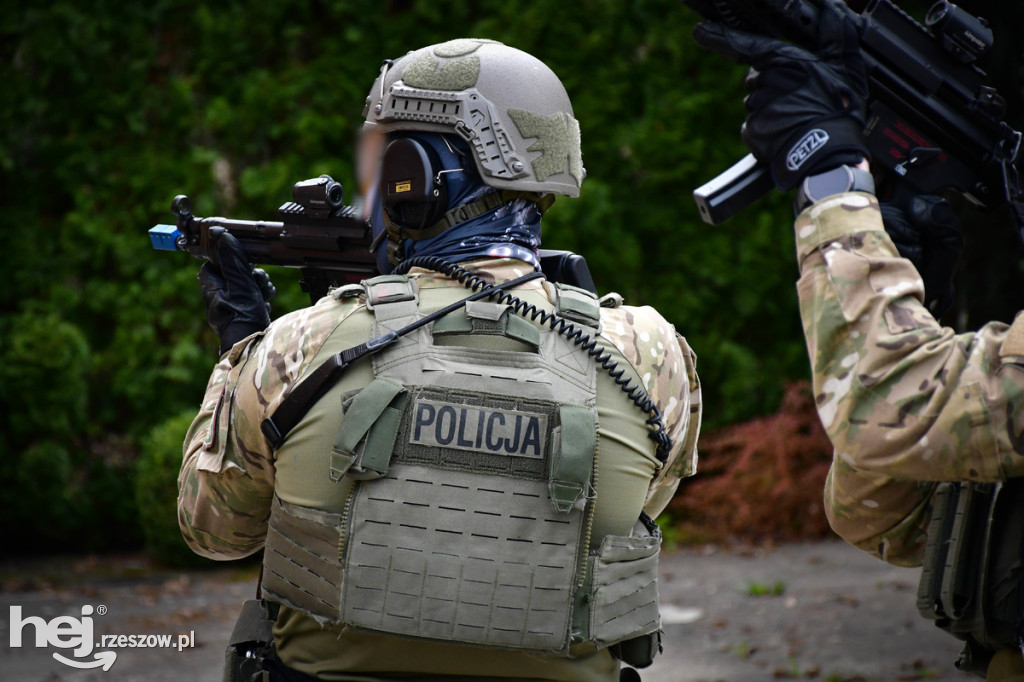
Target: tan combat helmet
{"type": "Point", "coordinates": [509, 106]}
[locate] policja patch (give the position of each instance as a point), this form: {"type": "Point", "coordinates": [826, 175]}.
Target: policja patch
{"type": "Point", "coordinates": [466, 427]}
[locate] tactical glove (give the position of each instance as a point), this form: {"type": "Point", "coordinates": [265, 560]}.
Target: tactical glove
{"type": "Point", "coordinates": [806, 109]}
{"type": "Point", "coordinates": [237, 295]}
{"type": "Point", "coordinates": [927, 233]}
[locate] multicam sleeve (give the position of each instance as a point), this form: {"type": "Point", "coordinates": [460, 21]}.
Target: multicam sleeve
{"type": "Point", "coordinates": [226, 483]}
{"type": "Point", "coordinates": [904, 400]}
{"type": "Point", "coordinates": [667, 367]}
{"type": "Point", "coordinates": [678, 392]}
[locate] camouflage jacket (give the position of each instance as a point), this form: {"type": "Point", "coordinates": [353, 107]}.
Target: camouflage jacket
{"type": "Point", "coordinates": [227, 479]}
{"type": "Point", "coordinates": [905, 401]}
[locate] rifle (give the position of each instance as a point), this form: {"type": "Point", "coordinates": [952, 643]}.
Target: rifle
{"type": "Point", "coordinates": [317, 233]}
{"type": "Point", "coordinates": [932, 122]}
{"type": "Point", "coordinates": [329, 242]}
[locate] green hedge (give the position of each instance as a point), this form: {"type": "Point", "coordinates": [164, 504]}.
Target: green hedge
{"type": "Point", "coordinates": [156, 492]}
{"type": "Point", "coordinates": [111, 108]}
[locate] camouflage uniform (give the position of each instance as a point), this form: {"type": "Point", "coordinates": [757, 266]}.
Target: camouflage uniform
{"type": "Point", "coordinates": [227, 480]}
{"type": "Point", "coordinates": [905, 401]}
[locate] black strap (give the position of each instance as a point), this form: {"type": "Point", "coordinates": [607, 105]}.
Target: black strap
{"type": "Point", "coordinates": [296, 404]}
{"type": "Point", "coordinates": [294, 407]}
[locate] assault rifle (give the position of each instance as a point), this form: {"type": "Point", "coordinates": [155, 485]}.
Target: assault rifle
{"type": "Point", "coordinates": [932, 121]}
{"type": "Point", "coordinates": [329, 242]}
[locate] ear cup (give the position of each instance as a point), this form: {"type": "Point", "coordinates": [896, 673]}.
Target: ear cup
{"type": "Point", "coordinates": [412, 188]}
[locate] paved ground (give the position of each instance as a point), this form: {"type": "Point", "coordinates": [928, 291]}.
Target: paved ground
{"type": "Point", "coordinates": [816, 611]}
{"type": "Point", "coordinates": [840, 616]}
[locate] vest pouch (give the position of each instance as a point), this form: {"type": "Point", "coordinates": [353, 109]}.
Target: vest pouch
{"type": "Point", "coordinates": [251, 641]}
{"type": "Point", "coordinates": [624, 594]}
{"type": "Point", "coordinates": [362, 449]}
{"type": "Point", "coordinates": [300, 564]}
{"type": "Point", "coordinates": [639, 651]}
{"type": "Point", "coordinates": [971, 582]}
{"type": "Point", "coordinates": [489, 319]}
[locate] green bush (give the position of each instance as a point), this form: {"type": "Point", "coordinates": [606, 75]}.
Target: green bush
{"type": "Point", "coordinates": [63, 499]}
{"type": "Point", "coordinates": [44, 510]}
{"type": "Point", "coordinates": [43, 366]}
{"type": "Point", "coordinates": [110, 109]}
{"type": "Point", "coordinates": [156, 492]}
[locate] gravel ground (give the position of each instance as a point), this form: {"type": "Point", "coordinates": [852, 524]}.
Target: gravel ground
{"type": "Point", "coordinates": [805, 611]}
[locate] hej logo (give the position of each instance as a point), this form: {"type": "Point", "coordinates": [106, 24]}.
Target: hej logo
{"type": "Point", "coordinates": [64, 632]}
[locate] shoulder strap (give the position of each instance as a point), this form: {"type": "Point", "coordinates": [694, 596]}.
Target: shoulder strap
{"type": "Point", "coordinates": [296, 404]}
{"type": "Point", "coordinates": [575, 304]}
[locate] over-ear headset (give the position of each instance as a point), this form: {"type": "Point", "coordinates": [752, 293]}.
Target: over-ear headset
{"type": "Point", "coordinates": [413, 189]}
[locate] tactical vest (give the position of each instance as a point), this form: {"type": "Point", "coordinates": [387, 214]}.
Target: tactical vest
{"type": "Point", "coordinates": [469, 520]}
{"type": "Point", "coordinates": [974, 562]}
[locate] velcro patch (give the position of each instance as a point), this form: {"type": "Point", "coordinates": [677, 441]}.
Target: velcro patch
{"type": "Point", "coordinates": [511, 433]}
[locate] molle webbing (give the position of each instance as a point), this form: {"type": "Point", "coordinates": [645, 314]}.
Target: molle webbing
{"type": "Point", "coordinates": [471, 476]}
{"type": "Point", "coordinates": [476, 532]}
{"type": "Point", "coordinates": [464, 557]}
{"type": "Point", "coordinates": [300, 562]}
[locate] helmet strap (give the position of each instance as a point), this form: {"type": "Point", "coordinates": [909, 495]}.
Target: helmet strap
{"type": "Point", "coordinates": [460, 214]}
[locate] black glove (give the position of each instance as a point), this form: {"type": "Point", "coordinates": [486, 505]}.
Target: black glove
{"type": "Point", "coordinates": [237, 295]}
{"type": "Point", "coordinates": [927, 233]}
{"type": "Point", "coordinates": [807, 109]}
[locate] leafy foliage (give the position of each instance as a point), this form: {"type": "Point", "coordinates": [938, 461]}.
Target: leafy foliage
{"type": "Point", "coordinates": [761, 480]}
{"type": "Point", "coordinates": [156, 492]}
{"type": "Point", "coordinates": [110, 109]}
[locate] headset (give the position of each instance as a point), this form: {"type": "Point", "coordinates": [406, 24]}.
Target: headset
{"type": "Point", "coordinates": [413, 187]}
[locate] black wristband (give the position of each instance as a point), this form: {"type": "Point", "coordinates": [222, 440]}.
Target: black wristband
{"type": "Point", "coordinates": [836, 181]}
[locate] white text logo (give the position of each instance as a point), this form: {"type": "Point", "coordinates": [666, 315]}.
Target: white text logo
{"type": "Point", "coordinates": [805, 148]}
{"type": "Point", "coordinates": [77, 634]}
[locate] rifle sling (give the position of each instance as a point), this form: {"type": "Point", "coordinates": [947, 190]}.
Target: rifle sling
{"type": "Point", "coordinates": [296, 404]}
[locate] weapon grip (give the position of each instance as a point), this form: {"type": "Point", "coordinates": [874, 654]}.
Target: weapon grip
{"type": "Point", "coordinates": [732, 191]}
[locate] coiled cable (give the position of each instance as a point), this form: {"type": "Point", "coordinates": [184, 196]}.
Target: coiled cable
{"type": "Point", "coordinates": [576, 335]}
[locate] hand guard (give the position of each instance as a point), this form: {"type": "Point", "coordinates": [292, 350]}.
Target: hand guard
{"type": "Point", "coordinates": [927, 233]}
{"type": "Point", "coordinates": [237, 295]}
{"type": "Point", "coordinates": [806, 110]}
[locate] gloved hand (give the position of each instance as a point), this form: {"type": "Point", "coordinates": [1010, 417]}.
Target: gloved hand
{"type": "Point", "coordinates": [237, 295]}
{"type": "Point", "coordinates": [806, 109]}
{"type": "Point", "coordinates": [927, 233]}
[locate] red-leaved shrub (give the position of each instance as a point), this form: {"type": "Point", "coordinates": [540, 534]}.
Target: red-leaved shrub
{"type": "Point", "coordinates": [759, 481]}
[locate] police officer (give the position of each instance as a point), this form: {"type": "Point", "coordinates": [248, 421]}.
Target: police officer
{"type": "Point", "coordinates": [906, 402]}
{"type": "Point", "coordinates": [474, 499]}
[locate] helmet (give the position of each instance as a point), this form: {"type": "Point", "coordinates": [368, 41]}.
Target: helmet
{"type": "Point", "coordinates": [509, 106]}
